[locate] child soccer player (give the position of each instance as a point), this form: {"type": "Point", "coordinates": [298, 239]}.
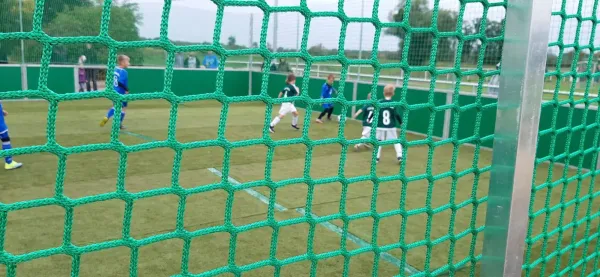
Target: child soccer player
{"type": "Point", "coordinates": [120, 85]}
{"type": "Point", "coordinates": [367, 111]}
{"type": "Point", "coordinates": [82, 77]}
{"type": "Point", "coordinates": [386, 125]}
{"type": "Point", "coordinates": [326, 92]}
{"type": "Point", "coordinates": [9, 164]}
{"type": "Point", "coordinates": [286, 107]}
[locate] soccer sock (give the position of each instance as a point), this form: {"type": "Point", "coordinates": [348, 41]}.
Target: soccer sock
{"type": "Point", "coordinates": [379, 152]}
{"type": "Point", "coordinates": [295, 120]}
{"type": "Point", "coordinates": [6, 145]}
{"type": "Point", "coordinates": [275, 121]}
{"type": "Point", "coordinates": [322, 113]}
{"type": "Point", "coordinates": [398, 148]}
{"type": "Point", "coordinates": [111, 112]}
{"type": "Point", "coordinates": [122, 117]}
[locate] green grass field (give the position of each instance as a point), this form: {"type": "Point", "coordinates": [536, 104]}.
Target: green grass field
{"type": "Point", "coordinates": [95, 173]}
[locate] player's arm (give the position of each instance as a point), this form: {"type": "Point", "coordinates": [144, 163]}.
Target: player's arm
{"type": "Point", "coordinates": [397, 116]}
{"type": "Point", "coordinates": [124, 82]}
{"type": "Point", "coordinates": [357, 113]}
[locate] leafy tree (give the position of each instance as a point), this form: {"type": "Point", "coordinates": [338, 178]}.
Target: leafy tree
{"type": "Point", "coordinates": [9, 17]}
{"type": "Point", "coordinates": [85, 21]}
{"type": "Point", "coordinates": [52, 8]}
{"type": "Point", "coordinates": [420, 15]}
{"type": "Point", "coordinates": [470, 47]}
{"type": "Point", "coordinates": [231, 41]}
{"type": "Point", "coordinates": [493, 50]}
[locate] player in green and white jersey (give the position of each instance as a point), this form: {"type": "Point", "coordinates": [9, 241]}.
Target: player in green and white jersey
{"type": "Point", "coordinates": [289, 90]}
{"type": "Point", "coordinates": [386, 125]}
{"type": "Point", "coordinates": [367, 110]}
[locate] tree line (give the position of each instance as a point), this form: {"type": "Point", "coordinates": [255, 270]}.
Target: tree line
{"type": "Point", "coordinates": [83, 18]}
{"type": "Point", "coordinates": [70, 18]}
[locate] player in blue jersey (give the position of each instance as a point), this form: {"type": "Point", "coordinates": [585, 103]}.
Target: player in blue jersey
{"type": "Point", "coordinates": [326, 92]}
{"type": "Point", "coordinates": [210, 61]}
{"type": "Point", "coordinates": [8, 161]}
{"type": "Point", "coordinates": [121, 86]}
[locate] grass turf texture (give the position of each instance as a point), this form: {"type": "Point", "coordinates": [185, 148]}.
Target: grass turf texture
{"type": "Point", "coordinates": [96, 173]}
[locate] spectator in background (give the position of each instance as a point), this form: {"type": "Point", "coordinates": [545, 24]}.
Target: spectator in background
{"type": "Point", "coordinates": [210, 61]}
{"type": "Point", "coordinates": [82, 80]}
{"type": "Point", "coordinates": [493, 85]}
{"type": "Point", "coordinates": [91, 73]}
{"type": "Point", "coordinates": [179, 60]}
{"type": "Point", "coordinates": [283, 66]}
{"type": "Point", "coordinates": [191, 62]}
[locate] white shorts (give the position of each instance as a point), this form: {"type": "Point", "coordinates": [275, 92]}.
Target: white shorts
{"type": "Point", "coordinates": [287, 108]}
{"type": "Point", "coordinates": [366, 131]}
{"type": "Point", "coordinates": [386, 134]}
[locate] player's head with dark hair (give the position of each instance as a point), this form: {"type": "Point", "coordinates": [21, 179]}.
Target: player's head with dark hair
{"type": "Point", "coordinates": [388, 91]}
{"type": "Point", "coordinates": [123, 61]}
{"type": "Point", "coordinates": [330, 79]}
{"type": "Point", "coordinates": [291, 78]}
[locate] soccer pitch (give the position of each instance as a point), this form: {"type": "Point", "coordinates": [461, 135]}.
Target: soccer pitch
{"type": "Point", "coordinates": [393, 215]}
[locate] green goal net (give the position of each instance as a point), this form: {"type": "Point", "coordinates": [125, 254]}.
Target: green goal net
{"type": "Point", "coordinates": [563, 211]}
{"type": "Point", "coordinates": [427, 32]}
{"type": "Point", "coordinates": [422, 217]}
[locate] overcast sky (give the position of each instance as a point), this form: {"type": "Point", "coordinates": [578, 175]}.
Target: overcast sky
{"type": "Point", "coordinates": [194, 21]}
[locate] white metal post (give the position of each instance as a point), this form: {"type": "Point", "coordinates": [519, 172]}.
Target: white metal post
{"type": "Point", "coordinates": [24, 85]}
{"type": "Point", "coordinates": [355, 96]}
{"type": "Point", "coordinates": [515, 142]}
{"type": "Point", "coordinates": [250, 65]}
{"type": "Point", "coordinates": [360, 43]}
{"type": "Point", "coordinates": [447, 116]}
{"type": "Point", "coordinates": [275, 27]}
{"type": "Point", "coordinates": [297, 38]}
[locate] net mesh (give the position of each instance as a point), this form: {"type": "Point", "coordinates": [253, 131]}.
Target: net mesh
{"type": "Point", "coordinates": [563, 228]}
{"type": "Point", "coordinates": [420, 56]}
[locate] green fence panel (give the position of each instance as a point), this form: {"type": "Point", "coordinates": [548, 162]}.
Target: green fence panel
{"type": "Point", "coordinates": [11, 78]}
{"type": "Point", "coordinates": [235, 82]}
{"type": "Point", "coordinates": [188, 82]}
{"type": "Point", "coordinates": [468, 118]}
{"type": "Point", "coordinates": [576, 128]}
{"type": "Point", "coordinates": [60, 79]}
{"type": "Point", "coordinates": [146, 80]}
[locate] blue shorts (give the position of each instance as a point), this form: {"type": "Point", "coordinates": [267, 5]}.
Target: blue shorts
{"type": "Point", "coordinates": [124, 104]}
{"type": "Point", "coordinates": [3, 127]}
{"type": "Point", "coordinates": [327, 105]}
